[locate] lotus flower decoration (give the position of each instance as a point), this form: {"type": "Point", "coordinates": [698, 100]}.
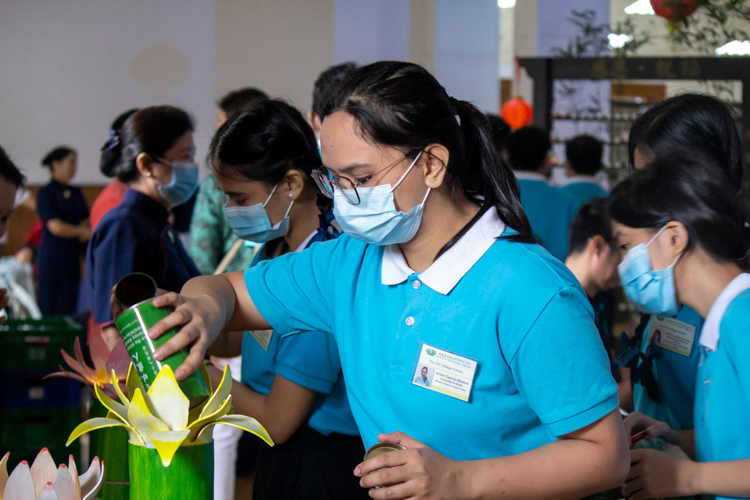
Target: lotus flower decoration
{"type": "Point", "coordinates": [105, 361]}
{"type": "Point", "coordinates": [44, 481]}
{"type": "Point", "coordinates": [161, 417]}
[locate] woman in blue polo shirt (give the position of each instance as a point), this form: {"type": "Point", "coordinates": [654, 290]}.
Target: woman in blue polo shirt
{"type": "Point", "coordinates": [685, 241]}
{"type": "Point", "coordinates": [262, 160]}
{"type": "Point", "coordinates": [435, 270]}
{"type": "Point", "coordinates": [687, 121]}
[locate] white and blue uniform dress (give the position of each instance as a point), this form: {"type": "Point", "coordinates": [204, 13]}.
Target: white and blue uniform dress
{"type": "Point", "coordinates": [722, 398]}
{"type": "Point", "coordinates": [509, 309]}
{"type": "Point", "coordinates": [318, 460]}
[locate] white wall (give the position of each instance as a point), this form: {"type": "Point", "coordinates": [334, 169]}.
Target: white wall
{"type": "Point", "coordinates": [70, 67]}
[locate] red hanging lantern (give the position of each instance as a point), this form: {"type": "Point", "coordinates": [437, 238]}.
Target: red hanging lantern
{"type": "Point", "coordinates": [517, 113]}
{"type": "Point", "coordinates": [674, 11]}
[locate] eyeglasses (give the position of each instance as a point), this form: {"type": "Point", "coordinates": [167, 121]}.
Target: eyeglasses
{"type": "Point", "coordinates": [327, 180]}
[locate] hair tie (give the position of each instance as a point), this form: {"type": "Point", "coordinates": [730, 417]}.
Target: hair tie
{"type": "Point", "coordinates": [113, 141]}
{"type": "Point", "coordinates": [454, 102]}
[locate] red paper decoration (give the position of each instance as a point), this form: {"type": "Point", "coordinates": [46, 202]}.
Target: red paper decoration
{"type": "Point", "coordinates": [674, 10]}
{"type": "Point", "coordinates": [517, 113]}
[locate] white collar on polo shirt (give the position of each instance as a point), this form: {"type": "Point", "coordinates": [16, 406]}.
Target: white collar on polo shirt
{"type": "Point", "coordinates": [445, 273]}
{"type": "Point", "coordinates": [529, 176]}
{"type": "Point", "coordinates": [710, 333]}
{"type": "Point", "coordinates": [584, 179]}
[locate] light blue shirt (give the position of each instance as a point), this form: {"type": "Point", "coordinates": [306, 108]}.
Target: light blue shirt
{"type": "Point", "coordinates": [722, 400]}
{"type": "Point", "coordinates": [419, 380]}
{"type": "Point", "coordinates": [583, 190]}
{"type": "Point", "coordinates": [311, 361]}
{"type": "Point", "coordinates": [675, 375]}
{"type": "Point", "coordinates": [510, 306]}
{"type": "Point", "coordinates": [550, 212]}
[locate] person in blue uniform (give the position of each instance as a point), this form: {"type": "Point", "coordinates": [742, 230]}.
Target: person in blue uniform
{"type": "Point", "coordinates": [436, 267]}
{"type": "Point", "coordinates": [549, 209]}
{"type": "Point", "coordinates": [156, 161]}
{"type": "Point", "coordinates": [64, 215]}
{"type": "Point", "coordinates": [682, 232]}
{"type": "Point", "coordinates": [583, 160]}
{"type": "Point", "coordinates": [665, 375]}
{"type": "Point", "coordinates": [262, 160]}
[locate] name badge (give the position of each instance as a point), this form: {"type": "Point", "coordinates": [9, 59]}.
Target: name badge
{"type": "Point", "coordinates": [445, 372]}
{"type": "Point", "coordinates": [263, 337]}
{"type": "Point", "coordinates": [672, 334]}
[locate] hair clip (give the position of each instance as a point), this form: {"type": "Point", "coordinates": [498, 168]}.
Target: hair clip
{"type": "Point", "coordinates": [112, 142]}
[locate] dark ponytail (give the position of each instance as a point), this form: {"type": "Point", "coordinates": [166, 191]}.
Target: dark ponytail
{"type": "Point", "coordinates": [402, 105]}
{"type": "Point", "coordinates": [112, 150]}
{"type": "Point", "coordinates": [688, 187]}
{"type": "Point", "coordinates": [264, 143]}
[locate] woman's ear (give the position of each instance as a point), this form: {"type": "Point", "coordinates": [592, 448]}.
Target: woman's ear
{"type": "Point", "coordinates": [435, 158]}
{"type": "Point", "coordinates": [143, 164]}
{"type": "Point", "coordinates": [678, 237]}
{"type": "Point", "coordinates": [294, 182]}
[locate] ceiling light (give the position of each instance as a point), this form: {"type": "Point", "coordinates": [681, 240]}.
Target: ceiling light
{"type": "Point", "coordinates": [734, 48]}
{"type": "Point", "coordinates": [506, 4]}
{"type": "Point", "coordinates": [617, 41]}
{"type": "Point", "coordinates": [642, 7]}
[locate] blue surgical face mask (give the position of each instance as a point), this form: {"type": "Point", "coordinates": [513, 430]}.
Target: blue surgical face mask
{"type": "Point", "coordinates": [375, 220]}
{"type": "Point", "coordinates": [652, 291]}
{"type": "Point", "coordinates": [252, 223]}
{"type": "Point", "coordinates": [184, 183]}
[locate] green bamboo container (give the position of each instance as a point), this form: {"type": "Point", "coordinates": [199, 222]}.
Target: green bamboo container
{"type": "Point", "coordinates": [111, 446]}
{"type": "Point", "coordinates": [190, 476]}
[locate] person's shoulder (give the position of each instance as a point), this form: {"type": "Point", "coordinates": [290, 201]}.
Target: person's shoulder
{"type": "Point", "coordinates": [522, 264]}
{"type": "Point", "coordinates": [119, 218]}
{"type": "Point", "coordinates": [736, 316]}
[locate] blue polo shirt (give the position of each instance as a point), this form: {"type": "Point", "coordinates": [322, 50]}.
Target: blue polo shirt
{"type": "Point", "coordinates": [510, 306]}
{"type": "Point", "coordinates": [550, 212]}
{"type": "Point", "coordinates": [675, 374]}
{"type": "Point", "coordinates": [582, 189]}
{"type": "Point", "coordinates": [722, 400]}
{"type": "Point", "coordinates": [311, 361]}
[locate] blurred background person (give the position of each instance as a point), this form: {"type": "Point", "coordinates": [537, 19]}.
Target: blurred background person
{"type": "Point", "coordinates": [66, 229]}
{"type": "Point", "coordinates": [211, 239]}
{"type": "Point", "coordinates": [549, 210]}
{"type": "Point", "coordinates": [326, 81]}
{"type": "Point", "coordinates": [583, 156]}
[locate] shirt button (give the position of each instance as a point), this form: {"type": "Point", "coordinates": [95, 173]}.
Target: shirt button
{"type": "Point", "coordinates": [409, 321]}
{"type": "Point", "coordinates": [707, 381]}
{"type": "Point", "coordinates": [416, 284]}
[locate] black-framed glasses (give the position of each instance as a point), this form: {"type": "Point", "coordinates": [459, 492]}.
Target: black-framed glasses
{"type": "Point", "coordinates": [327, 181]}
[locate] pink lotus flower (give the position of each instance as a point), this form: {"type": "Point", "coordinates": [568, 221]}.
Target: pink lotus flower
{"type": "Point", "coordinates": [44, 481]}
{"type": "Point", "coordinates": [105, 360]}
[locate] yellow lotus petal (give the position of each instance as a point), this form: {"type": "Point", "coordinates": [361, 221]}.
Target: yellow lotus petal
{"type": "Point", "coordinates": [133, 381]}
{"type": "Point", "coordinates": [243, 422]}
{"type": "Point", "coordinates": [195, 427]}
{"type": "Point", "coordinates": [167, 443]}
{"type": "Point", "coordinates": [206, 377]}
{"type": "Point", "coordinates": [43, 470]}
{"type": "Point", "coordinates": [123, 399]}
{"type": "Point", "coordinates": [3, 473]}
{"type": "Point", "coordinates": [221, 393]}
{"type": "Point", "coordinates": [113, 406]}
{"type": "Point", "coordinates": [194, 413]}
{"type": "Point", "coordinates": [168, 402]}
{"type": "Point", "coordinates": [141, 418]}
{"type": "Point", "coordinates": [74, 473]}
{"type": "Point", "coordinates": [94, 424]}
